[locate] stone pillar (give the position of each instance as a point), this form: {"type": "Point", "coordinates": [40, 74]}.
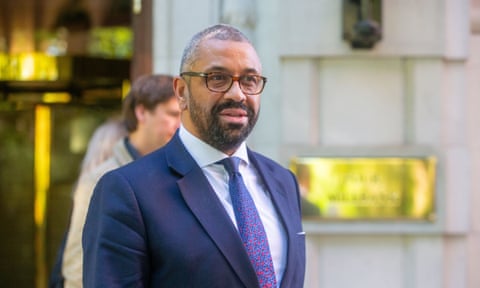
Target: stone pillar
{"type": "Point", "coordinates": [473, 104]}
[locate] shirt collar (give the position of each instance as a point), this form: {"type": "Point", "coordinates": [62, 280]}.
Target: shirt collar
{"type": "Point", "coordinates": [205, 154]}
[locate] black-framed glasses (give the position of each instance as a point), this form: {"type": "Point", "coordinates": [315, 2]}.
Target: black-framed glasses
{"type": "Point", "coordinates": [250, 84]}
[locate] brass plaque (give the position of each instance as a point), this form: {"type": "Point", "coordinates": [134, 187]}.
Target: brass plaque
{"type": "Point", "coordinates": [367, 188]}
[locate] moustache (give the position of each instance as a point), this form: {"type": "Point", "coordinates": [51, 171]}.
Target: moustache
{"type": "Point", "coordinates": [237, 105]}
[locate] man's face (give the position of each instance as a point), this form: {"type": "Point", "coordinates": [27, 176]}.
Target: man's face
{"type": "Point", "coordinates": [223, 120]}
{"type": "Point", "coordinates": [161, 123]}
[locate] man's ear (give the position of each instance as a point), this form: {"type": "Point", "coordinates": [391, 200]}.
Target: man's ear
{"type": "Point", "coordinates": [140, 113]}
{"type": "Point", "coordinates": [181, 91]}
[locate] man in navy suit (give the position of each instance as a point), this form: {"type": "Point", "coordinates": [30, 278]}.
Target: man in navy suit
{"type": "Point", "coordinates": [167, 220]}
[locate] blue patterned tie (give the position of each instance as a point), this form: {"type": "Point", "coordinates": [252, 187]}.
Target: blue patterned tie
{"type": "Point", "coordinates": [250, 225]}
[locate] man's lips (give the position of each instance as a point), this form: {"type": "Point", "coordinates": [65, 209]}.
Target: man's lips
{"type": "Point", "coordinates": [234, 114]}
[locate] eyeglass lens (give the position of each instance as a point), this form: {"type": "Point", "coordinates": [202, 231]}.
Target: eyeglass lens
{"type": "Point", "coordinates": [249, 84]}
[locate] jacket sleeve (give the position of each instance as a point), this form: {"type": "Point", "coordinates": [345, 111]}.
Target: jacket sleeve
{"type": "Point", "coordinates": [114, 237]}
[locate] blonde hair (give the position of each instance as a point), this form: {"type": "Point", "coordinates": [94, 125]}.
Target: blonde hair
{"type": "Point", "coordinates": [101, 143]}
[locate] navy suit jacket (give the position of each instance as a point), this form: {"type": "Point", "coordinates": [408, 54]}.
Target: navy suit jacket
{"type": "Point", "coordinates": [158, 223]}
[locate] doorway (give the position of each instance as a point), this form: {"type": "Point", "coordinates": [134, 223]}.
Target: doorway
{"type": "Point", "coordinates": [46, 119]}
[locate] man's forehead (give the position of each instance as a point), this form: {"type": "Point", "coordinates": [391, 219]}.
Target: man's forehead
{"type": "Point", "coordinates": [216, 53]}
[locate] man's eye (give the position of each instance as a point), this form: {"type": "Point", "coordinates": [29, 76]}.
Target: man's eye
{"type": "Point", "coordinates": [251, 79]}
{"type": "Point", "coordinates": [218, 77]}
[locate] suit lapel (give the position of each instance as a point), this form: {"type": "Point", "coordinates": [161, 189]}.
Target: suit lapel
{"type": "Point", "coordinates": [204, 204]}
{"type": "Point", "coordinates": [281, 203]}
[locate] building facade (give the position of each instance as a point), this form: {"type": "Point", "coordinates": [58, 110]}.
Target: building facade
{"type": "Point", "coordinates": [414, 93]}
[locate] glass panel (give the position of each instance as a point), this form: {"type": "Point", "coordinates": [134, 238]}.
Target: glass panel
{"type": "Point", "coordinates": [16, 199]}
{"type": "Point", "coordinates": [71, 129]}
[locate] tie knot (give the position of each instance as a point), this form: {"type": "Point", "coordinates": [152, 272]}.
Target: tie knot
{"type": "Point", "coordinates": [231, 164]}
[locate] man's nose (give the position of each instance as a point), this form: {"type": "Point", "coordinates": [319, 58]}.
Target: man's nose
{"type": "Point", "coordinates": [235, 92]}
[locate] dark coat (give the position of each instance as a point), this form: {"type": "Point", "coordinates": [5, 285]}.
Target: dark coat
{"type": "Point", "coordinates": [158, 223]}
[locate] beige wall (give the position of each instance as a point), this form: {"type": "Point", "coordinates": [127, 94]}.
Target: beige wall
{"type": "Point", "coordinates": [473, 116]}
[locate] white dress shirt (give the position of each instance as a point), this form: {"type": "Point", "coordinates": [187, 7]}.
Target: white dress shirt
{"type": "Point", "coordinates": [207, 158]}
